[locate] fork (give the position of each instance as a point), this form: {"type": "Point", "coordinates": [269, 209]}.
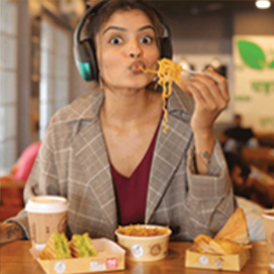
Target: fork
{"type": "Point", "coordinates": [193, 72]}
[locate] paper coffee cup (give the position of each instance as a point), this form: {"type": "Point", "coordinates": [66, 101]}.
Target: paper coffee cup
{"type": "Point", "coordinates": [46, 215]}
{"type": "Point", "coordinates": [268, 219]}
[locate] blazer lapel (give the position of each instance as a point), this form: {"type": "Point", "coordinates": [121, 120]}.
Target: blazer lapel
{"type": "Point", "coordinates": [89, 153]}
{"type": "Point", "coordinates": [168, 153]}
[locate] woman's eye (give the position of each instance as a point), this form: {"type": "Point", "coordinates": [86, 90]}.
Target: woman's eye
{"type": "Point", "coordinates": [146, 40]}
{"type": "Point", "coordinates": [116, 40]}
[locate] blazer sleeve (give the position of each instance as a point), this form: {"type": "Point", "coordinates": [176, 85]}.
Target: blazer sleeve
{"type": "Point", "coordinates": [43, 179]}
{"type": "Point", "coordinates": [210, 199]}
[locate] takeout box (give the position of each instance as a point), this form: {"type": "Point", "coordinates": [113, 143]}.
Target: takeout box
{"type": "Point", "coordinates": [233, 262]}
{"type": "Point", "coordinates": [110, 257]}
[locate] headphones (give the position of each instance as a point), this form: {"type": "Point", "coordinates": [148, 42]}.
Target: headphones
{"type": "Point", "coordinates": [84, 50]}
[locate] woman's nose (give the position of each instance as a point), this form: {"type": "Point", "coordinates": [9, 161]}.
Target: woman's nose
{"type": "Point", "coordinates": [134, 50]}
{"type": "Point", "coordinates": [134, 55]}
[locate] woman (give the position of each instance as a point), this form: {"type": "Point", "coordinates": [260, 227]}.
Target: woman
{"type": "Point", "coordinates": [107, 154]}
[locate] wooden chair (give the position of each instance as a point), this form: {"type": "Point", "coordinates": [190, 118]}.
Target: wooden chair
{"type": "Point", "coordinates": [11, 197]}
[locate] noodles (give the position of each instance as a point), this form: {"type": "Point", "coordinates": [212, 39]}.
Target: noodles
{"type": "Point", "coordinates": [142, 231]}
{"type": "Point", "coordinates": [167, 73]}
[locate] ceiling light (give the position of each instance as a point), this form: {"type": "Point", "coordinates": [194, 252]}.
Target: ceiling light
{"type": "Point", "coordinates": [263, 4]}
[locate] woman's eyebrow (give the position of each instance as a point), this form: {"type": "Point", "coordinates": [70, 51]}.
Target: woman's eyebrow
{"type": "Point", "coordinates": [123, 29]}
{"type": "Point", "coordinates": [146, 27]}
{"type": "Point", "coordinates": [115, 28]}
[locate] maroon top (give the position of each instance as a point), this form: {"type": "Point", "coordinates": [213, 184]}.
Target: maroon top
{"type": "Point", "coordinates": [131, 193]}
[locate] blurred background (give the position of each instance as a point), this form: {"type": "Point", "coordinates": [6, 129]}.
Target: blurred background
{"type": "Point", "coordinates": [38, 74]}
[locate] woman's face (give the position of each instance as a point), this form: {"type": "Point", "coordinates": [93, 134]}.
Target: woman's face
{"type": "Point", "coordinates": [124, 43]}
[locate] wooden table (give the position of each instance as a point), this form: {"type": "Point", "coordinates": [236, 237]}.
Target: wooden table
{"type": "Point", "coordinates": [16, 259]}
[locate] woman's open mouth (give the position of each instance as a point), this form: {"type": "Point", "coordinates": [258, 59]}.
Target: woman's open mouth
{"type": "Point", "coordinates": [137, 67]}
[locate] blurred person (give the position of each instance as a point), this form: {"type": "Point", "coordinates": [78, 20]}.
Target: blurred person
{"type": "Point", "coordinates": [253, 214]}
{"type": "Point", "coordinates": [12, 184]}
{"type": "Point", "coordinates": [21, 169]}
{"type": "Point", "coordinates": [237, 136]}
{"type": "Point", "coordinates": [249, 184]}
{"type": "Point", "coordinates": [254, 192]}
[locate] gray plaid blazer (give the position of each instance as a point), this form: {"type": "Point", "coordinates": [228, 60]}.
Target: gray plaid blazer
{"type": "Point", "coordinates": [73, 162]}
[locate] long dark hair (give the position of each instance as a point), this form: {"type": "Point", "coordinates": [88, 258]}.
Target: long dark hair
{"type": "Point", "coordinates": [233, 160]}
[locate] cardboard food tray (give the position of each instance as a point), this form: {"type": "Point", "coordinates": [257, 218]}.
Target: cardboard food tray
{"type": "Point", "coordinates": [233, 262]}
{"type": "Point", "coordinates": [110, 257]}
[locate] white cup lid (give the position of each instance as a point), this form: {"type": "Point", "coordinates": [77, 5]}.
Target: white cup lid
{"type": "Point", "coordinates": [47, 204]}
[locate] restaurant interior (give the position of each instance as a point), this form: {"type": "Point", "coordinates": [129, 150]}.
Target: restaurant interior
{"type": "Point", "coordinates": [38, 76]}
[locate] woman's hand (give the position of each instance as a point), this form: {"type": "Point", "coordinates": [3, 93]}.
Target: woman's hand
{"type": "Point", "coordinates": [211, 96]}
{"type": "Point", "coordinates": [10, 232]}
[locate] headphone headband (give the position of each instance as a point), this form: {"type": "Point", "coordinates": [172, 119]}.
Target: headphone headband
{"type": "Point", "coordinates": [81, 24]}
{"type": "Point", "coordinates": [84, 50]}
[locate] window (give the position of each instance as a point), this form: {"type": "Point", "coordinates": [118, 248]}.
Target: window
{"type": "Point", "coordinates": [8, 84]}
{"type": "Point", "coordinates": [54, 80]}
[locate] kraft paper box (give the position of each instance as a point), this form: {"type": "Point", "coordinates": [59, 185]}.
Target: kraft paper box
{"type": "Point", "coordinates": [233, 262]}
{"type": "Point", "coordinates": [110, 257]}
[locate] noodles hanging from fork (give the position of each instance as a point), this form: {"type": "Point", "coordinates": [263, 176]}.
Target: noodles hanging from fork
{"type": "Point", "coordinates": [167, 73]}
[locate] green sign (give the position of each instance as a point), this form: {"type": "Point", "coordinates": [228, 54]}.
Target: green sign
{"type": "Point", "coordinates": [243, 98]}
{"type": "Point", "coordinates": [267, 121]}
{"type": "Point", "coordinates": [263, 87]}
{"type": "Point", "coordinates": [253, 55]}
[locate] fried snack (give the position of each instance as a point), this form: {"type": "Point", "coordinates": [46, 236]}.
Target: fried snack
{"type": "Point", "coordinates": [202, 244]}
{"type": "Point", "coordinates": [142, 231]}
{"type": "Point", "coordinates": [205, 244]}
{"type": "Point", "coordinates": [81, 246]}
{"type": "Point", "coordinates": [226, 247]}
{"type": "Point", "coordinates": [231, 239]}
{"type": "Point", "coordinates": [167, 73]}
{"type": "Point", "coordinates": [235, 229]}
{"type": "Point", "coordinates": [56, 248]}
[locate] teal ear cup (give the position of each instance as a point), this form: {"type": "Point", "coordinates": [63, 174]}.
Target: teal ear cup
{"type": "Point", "coordinates": [85, 71]}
